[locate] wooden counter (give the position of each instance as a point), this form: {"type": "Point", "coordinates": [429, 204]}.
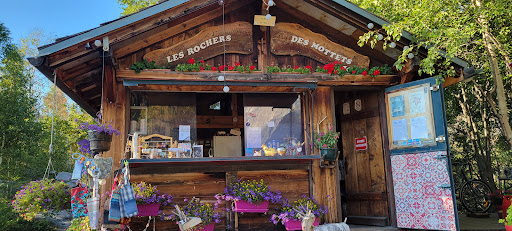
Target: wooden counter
{"type": "Point", "coordinates": [205, 177]}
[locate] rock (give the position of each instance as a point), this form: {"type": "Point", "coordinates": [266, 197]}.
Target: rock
{"type": "Point", "coordinates": [332, 227]}
{"type": "Point", "coordinates": [63, 176]}
{"type": "Point", "coordinates": [66, 177]}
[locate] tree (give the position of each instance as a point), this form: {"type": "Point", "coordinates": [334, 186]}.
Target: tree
{"type": "Point", "coordinates": [132, 6]}
{"type": "Point", "coordinates": [19, 129]}
{"type": "Point", "coordinates": [478, 31]}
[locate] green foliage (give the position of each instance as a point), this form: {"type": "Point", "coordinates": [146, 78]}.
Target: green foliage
{"type": "Point", "coordinates": [79, 224]}
{"type": "Point", "coordinates": [19, 128]}
{"type": "Point", "coordinates": [145, 64]}
{"type": "Point", "coordinates": [11, 221]}
{"type": "Point", "coordinates": [45, 196]}
{"type": "Point", "coordinates": [508, 219]}
{"type": "Point", "coordinates": [327, 140]}
{"type": "Point", "coordinates": [273, 69]}
{"type": "Point", "coordinates": [132, 6]}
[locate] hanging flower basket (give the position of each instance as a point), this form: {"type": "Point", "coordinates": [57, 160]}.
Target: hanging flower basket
{"type": "Point", "coordinates": [146, 210]}
{"type": "Point", "coordinates": [99, 141]}
{"type": "Point", "coordinates": [294, 224]}
{"type": "Point", "coordinates": [328, 154]}
{"type": "Point", "coordinates": [242, 206]}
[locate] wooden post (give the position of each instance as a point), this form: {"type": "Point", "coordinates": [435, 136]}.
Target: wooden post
{"type": "Point", "coordinates": [114, 113]}
{"type": "Point", "coordinates": [326, 180]}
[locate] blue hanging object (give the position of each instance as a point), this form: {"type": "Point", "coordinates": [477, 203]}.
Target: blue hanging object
{"type": "Point", "coordinates": [77, 170]}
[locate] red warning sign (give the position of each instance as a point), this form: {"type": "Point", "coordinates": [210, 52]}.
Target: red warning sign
{"type": "Point", "coordinates": [361, 143]}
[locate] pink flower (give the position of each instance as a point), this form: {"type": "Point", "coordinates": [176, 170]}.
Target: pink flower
{"type": "Point", "coordinates": [324, 146]}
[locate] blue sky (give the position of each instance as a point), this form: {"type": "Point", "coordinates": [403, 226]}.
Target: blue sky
{"type": "Point", "coordinates": [56, 18]}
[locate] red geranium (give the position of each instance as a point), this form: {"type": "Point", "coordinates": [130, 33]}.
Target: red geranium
{"type": "Point", "coordinates": [252, 67]}
{"type": "Point", "coordinates": [221, 68]}
{"type": "Point", "coordinates": [342, 68]}
{"type": "Point", "coordinates": [337, 62]}
{"type": "Point", "coordinates": [214, 68]}
{"type": "Point", "coordinates": [237, 64]}
{"type": "Point", "coordinates": [191, 61]}
{"type": "Point", "coordinates": [308, 67]}
{"type": "Point", "coordinates": [297, 67]}
{"type": "Point", "coordinates": [335, 72]}
{"type": "Point", "coordinates": [353, 72]}
{"type": "Point", "coordinates": [231, 68]}
{"type": "Point", "coordinates": [202, 61]}
{"type": "Point", "coordinates": [329, 67]}
{"type": "Point", "coordinates": [364, 73]}
{"type": "Point", "coordinates": [149, 60]}
{"type": "Point", "coordinates": [202, 68]}
{"type": "Point", "coordinates": [376, 72]}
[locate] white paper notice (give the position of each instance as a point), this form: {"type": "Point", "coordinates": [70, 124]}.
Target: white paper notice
{"type": "Point", "coordinates": [419, 128]}
{"type": "Point", "coordinates": [400, 130]}
{"type": "Point", "coordinates": [271, 124]}
{"type": "Point", "coordinates": [184, 133]}
{"type": "Point", "coordinates": [253, 137]}
{"type": "Point", "coordinates": [416, 102]}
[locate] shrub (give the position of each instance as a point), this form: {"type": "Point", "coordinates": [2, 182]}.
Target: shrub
{"type": "Point", "coordinates": [44, 196]}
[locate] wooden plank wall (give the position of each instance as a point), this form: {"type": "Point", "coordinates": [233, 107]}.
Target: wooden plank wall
{"type": "Point", "coordinates": [326, 180]}
{"type": "Point", "coordinates": [207, 179]}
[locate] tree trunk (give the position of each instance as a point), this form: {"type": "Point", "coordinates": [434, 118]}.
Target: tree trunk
{"type": "Point", "coordinates": [502, 109]}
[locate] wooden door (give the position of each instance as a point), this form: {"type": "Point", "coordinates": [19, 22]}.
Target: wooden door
{"type": "Point", "coordinates": [420, 156]}
{"type": "Point", "coordinates": [365, 177]}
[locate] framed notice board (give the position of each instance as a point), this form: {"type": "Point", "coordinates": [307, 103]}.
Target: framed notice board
{"type": "Point", "coordinates": [410, 117]}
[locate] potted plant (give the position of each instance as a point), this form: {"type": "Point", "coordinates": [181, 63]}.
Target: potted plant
{"type": "Point", "coordinates": [41, 196]}
{"type": "Point", "coordinates": [149, 199]}
{"type": "Point", "coordinates": [193, 66]}
{"type": "Point", "coordinates": [288, 215]}
{"type": "Point", "coordinates": [250, 196]}
{"type": "Point", "coordinates": [99, 135]}
{"type": "Point", "coordinates": [145, 64]}
{"type": "Point", "coordinates": [326, 143]}
{"type": "Point", "coordinates": [508, 219]}
{"type": "Point", "coordinates": [196, 208]}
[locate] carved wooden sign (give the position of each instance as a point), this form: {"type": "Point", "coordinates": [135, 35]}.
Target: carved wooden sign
{"type": "Point", "coordinates": [235, 37]}
{"type": "Point", "coordinates": [294, 39]}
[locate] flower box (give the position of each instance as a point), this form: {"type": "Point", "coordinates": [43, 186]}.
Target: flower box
{"type": "Point", "coordinates": [208, 227]}
{"type": "Point", "coordinates": [508, 227]}
{"type": "Point", "coordinates": [294, 224]}
{"type": "Point", "coordinates": [242, 206]}
{"type": "Point", "coordinates": [146, 210]}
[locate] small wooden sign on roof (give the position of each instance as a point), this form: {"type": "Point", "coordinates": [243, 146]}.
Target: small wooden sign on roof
{"type": "Point", "coordinates": [234, 37]}
{"type": "Point", "coordinates": [294, 39]}
{"type": "Point", "coordinates": [261, 20]}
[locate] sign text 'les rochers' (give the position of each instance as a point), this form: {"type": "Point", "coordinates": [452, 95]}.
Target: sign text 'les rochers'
{"type": "Point", "coordinates": [190, 51]}
{"type": "Point", "coordinates": [294, 39]}
{"type": "Point", "coordinates": [210, 42]}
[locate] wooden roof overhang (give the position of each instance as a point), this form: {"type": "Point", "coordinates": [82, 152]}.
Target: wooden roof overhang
{"type": "Point", "coordinates": [79, 70]}
{"type": "Point", "coordinates": [166, 80]}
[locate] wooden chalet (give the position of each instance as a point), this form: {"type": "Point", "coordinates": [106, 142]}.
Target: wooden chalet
{"type": "Point", "coordinates": [385, 138]}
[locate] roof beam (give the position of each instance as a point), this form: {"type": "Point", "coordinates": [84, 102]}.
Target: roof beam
{"type": "Point", "coordinates": [318, 21]}
{"type": "Point", "coordinates": [143, 40]}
